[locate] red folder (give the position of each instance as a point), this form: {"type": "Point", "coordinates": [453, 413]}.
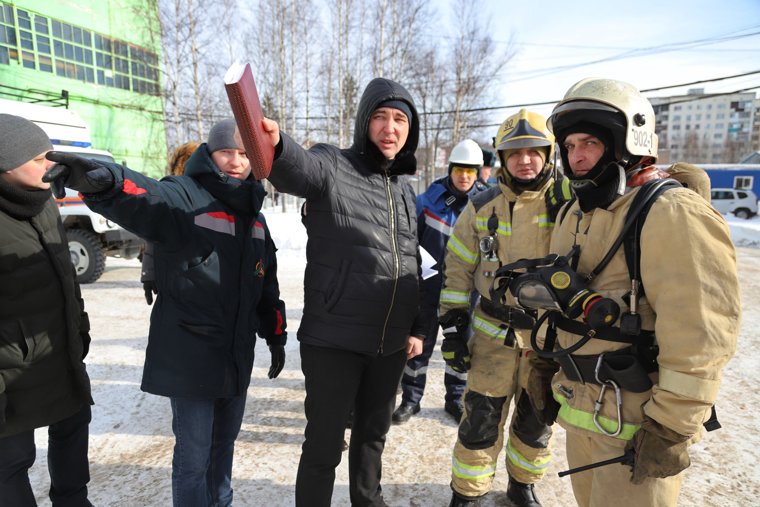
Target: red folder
{"type": "Point", "coordinates": [244, 101]}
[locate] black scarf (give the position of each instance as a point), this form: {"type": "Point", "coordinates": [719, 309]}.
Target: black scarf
{"type": "Point", "coordinates": [22, 203]}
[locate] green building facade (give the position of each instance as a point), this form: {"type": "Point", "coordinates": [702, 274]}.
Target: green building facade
{"type": "Point", "coordinates": [102, 58]}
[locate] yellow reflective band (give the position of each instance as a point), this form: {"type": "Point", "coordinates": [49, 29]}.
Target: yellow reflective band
{"type": "Point", "coordinates": [537, 467]}
{"type": "Point", "coordinates": [585, 420]}
{"type": "Point", "coordinates": [489, 329]}
{"type": "Point", "coordinates": [454, 296]}
{"type": "Point", "coordinates": [504, 228]}
{"type": "Point", "coordinates": [457, 248]}
{"type": "Point", "coordinates": [544, 222]}
{"type": "Point", "coordinates": [471, 473]}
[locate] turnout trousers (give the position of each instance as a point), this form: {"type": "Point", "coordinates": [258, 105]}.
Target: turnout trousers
{"type": "Point", "coordinates": [611, 484]}
{"type": "Point", "coordinates": [498, 374]}
{"type": "Point", "coordinates": [415, 374]}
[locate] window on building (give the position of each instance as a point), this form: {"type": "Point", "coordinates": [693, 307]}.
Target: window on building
{"type": "Point", "coordinates": [70, 51]}
{"type": "Point", "coordinates": [743, 182]}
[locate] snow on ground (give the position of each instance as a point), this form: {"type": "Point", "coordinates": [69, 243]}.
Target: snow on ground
{"type": "Point", "coordinates": [131, 439]}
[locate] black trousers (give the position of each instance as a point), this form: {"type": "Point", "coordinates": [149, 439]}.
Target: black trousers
{"type": "Point", "coordinates": [67, 463]}
{"type": "Point", "coordinates": [336, 381]}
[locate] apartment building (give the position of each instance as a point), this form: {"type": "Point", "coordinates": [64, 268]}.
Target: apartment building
{"type": "Point", "coordinates": [707, 128]}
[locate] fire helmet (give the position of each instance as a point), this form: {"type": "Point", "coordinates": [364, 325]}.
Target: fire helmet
{"type": "Point", "coordinates": [525, 129]}
{"type": "Point", "coordinates": [613, 105]}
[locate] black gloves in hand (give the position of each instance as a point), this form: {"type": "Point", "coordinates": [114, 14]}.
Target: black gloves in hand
{"type": "Point", "coordinates": [150, 288]}
{"type": "Point", "coordinates": [456, 354]}
{"type": "Point", "coordinates": [539, 388]}
{"type": "Point", "coordinates": [278, 360]}
{"type": "Point", "coordinates": [454, 347]}
{"type": "Point", "coordinates": [659, 452]}
{"type": "Point", "coordinates": [81, 174]}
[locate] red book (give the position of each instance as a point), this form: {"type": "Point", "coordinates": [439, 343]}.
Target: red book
{"type": "Point", "coordinates": [244, 101]}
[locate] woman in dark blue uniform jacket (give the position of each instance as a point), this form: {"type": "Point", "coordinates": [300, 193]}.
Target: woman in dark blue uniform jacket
{"type": "Point", "coordinates": [217, 287]}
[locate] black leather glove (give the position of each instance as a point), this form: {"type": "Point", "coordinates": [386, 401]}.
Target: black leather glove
{"type": "Point", "coordinates": [454, 348]}
{"type": "Point", "coordinates": [659, 452]}
{"type": "Point", "coordinates": [557, 195]}
{"type": "Point", "coordinates": [456, 353]}
{"type": "Point", "coordinates": [278, 360]}
{"type": "Point", "coordinates": [81, 174]}
{"type": "Point", "coordinates": [150, 288]}
{"type": "Point", "coordinates": [539, 388]}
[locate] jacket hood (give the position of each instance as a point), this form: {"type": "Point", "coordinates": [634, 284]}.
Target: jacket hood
{"type": "Point", "coordinates": [378, 91]}
{"type": "Point", "coordinates": [245, 197]}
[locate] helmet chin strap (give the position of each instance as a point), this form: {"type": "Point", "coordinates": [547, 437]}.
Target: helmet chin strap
{"type": "Point", "coordinates": [601, 191]}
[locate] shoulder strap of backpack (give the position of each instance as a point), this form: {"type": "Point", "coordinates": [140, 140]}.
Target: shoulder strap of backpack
{"type": "Point", "coordinates": [646, 195]}
{"type": "Point", "coordinates": [649, 193]}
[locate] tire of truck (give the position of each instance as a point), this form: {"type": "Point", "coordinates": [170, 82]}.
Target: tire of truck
{"type": "Point", "coordinates": [87, 255]}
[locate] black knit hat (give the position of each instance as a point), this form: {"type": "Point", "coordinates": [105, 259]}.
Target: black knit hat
{"type": "Point", "coordinates": [222, 136]}
{"type": "Point", "coordinates": [398, 104]}
{"type": "Point", "coordinates": [20, 141]}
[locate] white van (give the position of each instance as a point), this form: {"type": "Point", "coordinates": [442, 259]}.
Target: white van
{"type": "Point", "coordinates": [91, 237]}
{"type": "Point", "coordinates": [742, 203]}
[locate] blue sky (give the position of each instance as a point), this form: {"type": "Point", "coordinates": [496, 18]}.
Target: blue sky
{"type": "Point", "coordinates": [555, 41]}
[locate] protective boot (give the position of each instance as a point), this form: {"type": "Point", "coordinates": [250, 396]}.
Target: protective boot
{"type": "Point", "coordinates": [462, 501]}
{"type": "Point", "coordinates": [522, 495]}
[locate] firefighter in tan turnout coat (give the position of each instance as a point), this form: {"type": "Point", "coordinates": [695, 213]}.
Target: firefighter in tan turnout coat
{"type": "Point", "coordinates": [648, 382]}
{"type": "Point", "coordinates": [503, 224]}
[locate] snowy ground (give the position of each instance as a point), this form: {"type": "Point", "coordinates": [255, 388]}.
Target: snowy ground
{"type": "Point", "coordinates": [131, 440]}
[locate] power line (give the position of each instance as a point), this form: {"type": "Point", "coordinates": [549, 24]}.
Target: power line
{"type": "Point", "coordinates": [549, 102]}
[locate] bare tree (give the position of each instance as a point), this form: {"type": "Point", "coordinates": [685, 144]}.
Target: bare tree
{"type": "Point", "coordinates": [429, 88]}
{"type": "Point", "coordinates": [473, 55]}
{"type": "Point", "coordinates": [396, 36]}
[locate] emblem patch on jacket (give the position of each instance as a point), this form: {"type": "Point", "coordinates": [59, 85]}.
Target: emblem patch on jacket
{"type": "Point", "coordinates": [260, 268]}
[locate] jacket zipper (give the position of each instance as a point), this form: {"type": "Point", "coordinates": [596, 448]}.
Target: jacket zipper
{"type": "Point", "coordinates": [394, 252]}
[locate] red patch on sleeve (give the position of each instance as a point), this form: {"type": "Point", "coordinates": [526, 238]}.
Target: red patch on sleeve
{"type": "Point", "coordinates": [278, 328]}
{"type": "Point", "coordinates": [132, 189]}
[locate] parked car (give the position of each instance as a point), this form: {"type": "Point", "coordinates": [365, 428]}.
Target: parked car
{"type": "Point", "coordinates": [742, 203]}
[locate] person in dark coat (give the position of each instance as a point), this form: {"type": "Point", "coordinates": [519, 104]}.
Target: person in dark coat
{"type": "Point", "coordinates": [216, 274]}
{"type": "Point", "coordinates": [44, 330]}
{"type": "Point", "coordinates": [437, 210]}
{"type": "Point", "coordinates": [360, 320]}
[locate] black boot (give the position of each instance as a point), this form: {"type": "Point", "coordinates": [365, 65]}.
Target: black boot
{"type": "Point", "coordinates": [454, 410]}
{"type": "Point", "coordinates": [404, 412]}
{"type": "Point", "coordinates": [462, 501]}
{"type": "Point", "coordinates": [522, 495]}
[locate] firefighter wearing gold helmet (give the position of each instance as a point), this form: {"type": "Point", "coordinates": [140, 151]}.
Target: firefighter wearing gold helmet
{"type": "Point", "coordinates": [505, 223]}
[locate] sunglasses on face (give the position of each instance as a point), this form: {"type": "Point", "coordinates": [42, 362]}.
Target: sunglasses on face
{"type": "Point", "coordinates": [458, 171]}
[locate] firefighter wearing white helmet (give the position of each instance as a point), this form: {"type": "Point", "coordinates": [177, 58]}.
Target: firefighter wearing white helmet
{"type": "Point", "coordinates": [503, 224]}
{"type": "Point", "coordinates": [437, 210]}
{"type": "Point", "coordinates": [646, 384]}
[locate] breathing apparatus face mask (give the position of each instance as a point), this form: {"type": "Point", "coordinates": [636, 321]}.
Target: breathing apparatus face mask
{"type": "Point", "coordinates": [551, 284]}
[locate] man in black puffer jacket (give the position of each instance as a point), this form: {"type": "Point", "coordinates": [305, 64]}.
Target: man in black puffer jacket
{"type": "Point", "coordinates": [217, 287]}
{"type": "Point", "coordinates": [360, 321]}
{"type": "Point", "coordinates": [44, 330]}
